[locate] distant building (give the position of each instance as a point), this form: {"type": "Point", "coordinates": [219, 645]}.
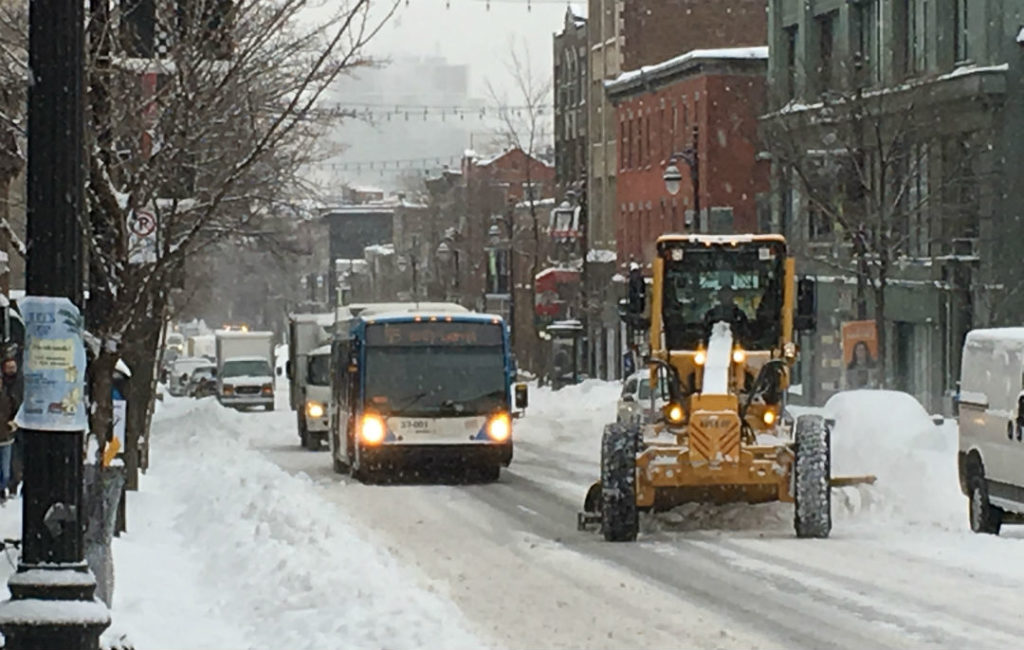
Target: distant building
{"type": "Point", "coordinates": [657, 30]}
{"type": "Point", "coordinates": [570, 94]}
{"type": "Point", "coordinates": [706, 103]}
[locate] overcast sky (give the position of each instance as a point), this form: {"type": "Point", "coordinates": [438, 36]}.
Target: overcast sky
{"type": "Point", "coordinates": [469, 33]}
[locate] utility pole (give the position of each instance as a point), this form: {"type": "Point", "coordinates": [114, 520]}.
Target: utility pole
{"type": "Point", "coordinates": [52, 595]}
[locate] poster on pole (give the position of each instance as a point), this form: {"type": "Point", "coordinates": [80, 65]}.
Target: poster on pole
{"type": "Point", "coordinates": [54, 366]}
{"type": "Point", "coordinates": [860, 353]}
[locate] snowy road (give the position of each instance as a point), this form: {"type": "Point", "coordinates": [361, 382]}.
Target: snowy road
{"type": "Point", "coordinates": [507, 556]}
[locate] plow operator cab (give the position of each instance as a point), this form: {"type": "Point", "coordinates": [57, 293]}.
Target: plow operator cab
{"type": "Point", "coordinates": [722, 313]}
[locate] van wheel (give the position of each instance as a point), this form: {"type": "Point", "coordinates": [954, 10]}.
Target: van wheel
{"type": "Point", "coordinates": [985, 517]}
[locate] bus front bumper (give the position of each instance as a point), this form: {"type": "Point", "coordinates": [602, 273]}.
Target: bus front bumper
{"type": "Point", "coordinates": [407, 455]}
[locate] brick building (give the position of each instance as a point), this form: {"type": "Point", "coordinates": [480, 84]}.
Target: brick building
{"type": "Point", "coordinates": [657, 30]}
{"type": "Point", "coordinates": [706, 101]}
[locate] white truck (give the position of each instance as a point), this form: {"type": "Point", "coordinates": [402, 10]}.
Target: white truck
{"type": "Point", "coordinates": [245, 376]}
{"type": "Point", "coordinates": [201, 345]}
{"type": "Point", "coordinates": [306, 334]}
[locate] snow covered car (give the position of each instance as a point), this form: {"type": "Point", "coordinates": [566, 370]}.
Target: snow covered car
{"type": "Point", "coordinates": [635, 405]}
{"type": "Point", "coordinates": [181, 372]}
{"type": "Point", "coordinates": [207, 373]}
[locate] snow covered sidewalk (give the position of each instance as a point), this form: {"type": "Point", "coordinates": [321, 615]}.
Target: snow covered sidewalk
{"type": "Point", "coordinates": [227, 550]}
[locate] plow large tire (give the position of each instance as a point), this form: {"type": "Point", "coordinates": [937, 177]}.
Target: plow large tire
{"type": "Point", "coordinates": [812, 472]}
{"type": "Point", "coordinates": [619, 520]}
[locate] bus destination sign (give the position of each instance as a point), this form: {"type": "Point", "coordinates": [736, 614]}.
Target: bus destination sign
{"type": "Point", "coordinates": [433, 333]}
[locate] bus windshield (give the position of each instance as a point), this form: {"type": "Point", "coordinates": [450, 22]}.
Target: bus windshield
{"type": "Point", "coordinates": [436, 369]}
{"type": "Point", "coordinates": [740, 285]}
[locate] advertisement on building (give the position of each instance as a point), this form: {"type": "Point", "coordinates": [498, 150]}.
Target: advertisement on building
{"type": "Point", "coordinates": [860, 353]}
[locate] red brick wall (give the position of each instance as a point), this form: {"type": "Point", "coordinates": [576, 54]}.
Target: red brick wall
{"type": "Point", "coordinates": [724, 108]}
{"type": "Point", "coordinates": [656, 30]}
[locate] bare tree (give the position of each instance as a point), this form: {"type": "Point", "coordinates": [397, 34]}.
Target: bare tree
{"type": "Point", "coordinates": [874, 187]}
{"type": "Point", "coordinates": [207, 141]}
{"type": "Point", "coordinates": [524, 122]}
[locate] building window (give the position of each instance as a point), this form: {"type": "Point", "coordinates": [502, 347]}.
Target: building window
{"type": "Point", "coordinates": [623, 145]}
{"type": "Point", "coordinates": [791, 35]}
{"type": "Point", "coordinates": [867, 58]}
{"type": "Point", "coordinates": [826, 27]}
{"type": "Point", "coordinates": [961, 22]}
{"type": "Point", "coordinates": [647, 137]}
{"type": "Point", "coordinates": [914, 20]}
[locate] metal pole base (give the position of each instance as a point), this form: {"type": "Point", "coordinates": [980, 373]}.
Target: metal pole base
{"type": "Point", "coordinates": [53, 607]}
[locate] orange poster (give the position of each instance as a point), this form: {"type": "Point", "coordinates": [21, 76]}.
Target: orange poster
{"type": "Point", "coordinates": [860, 352]}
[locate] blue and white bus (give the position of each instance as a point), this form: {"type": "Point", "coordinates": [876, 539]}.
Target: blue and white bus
{"type": "Point", "coordinates": [421, 388]}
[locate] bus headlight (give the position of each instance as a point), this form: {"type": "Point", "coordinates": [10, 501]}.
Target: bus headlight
{"type": "Point", "coordinates": [372, 429]}
{"type": "Point", "coordinates": [499, 428]}
{"type": "Point", "coordinates": [314, 410]}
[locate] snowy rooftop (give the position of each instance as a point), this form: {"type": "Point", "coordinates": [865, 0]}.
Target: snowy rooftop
{"type": "Point", "coordinates": [679, 62]}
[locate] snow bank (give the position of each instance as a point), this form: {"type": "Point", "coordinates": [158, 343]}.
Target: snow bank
{"type": "Point", "coordinates": [263, 554]}
{"type": "Point", "coordinates": [570, 420]}
{"type": "Point", "coordinates": [890, 435]}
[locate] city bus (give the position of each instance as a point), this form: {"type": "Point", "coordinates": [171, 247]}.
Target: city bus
{"type": "Point", "coordinates": [423, 390]}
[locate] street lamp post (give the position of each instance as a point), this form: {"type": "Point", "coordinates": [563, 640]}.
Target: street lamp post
{"type": "Point", "coordinates": [673, 177]}
{"type": "Point", "coordinates": [52, 601]}
{"type": "Point", "coordinates": [495, 233]}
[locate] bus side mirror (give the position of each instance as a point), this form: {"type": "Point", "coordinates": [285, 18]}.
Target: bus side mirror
{"type": "Point", "coordinates": [288, 369]}
{"type": "Point", "coordinates": [806, 306]}
{"type": "Point", "coordinates": [522, 396]}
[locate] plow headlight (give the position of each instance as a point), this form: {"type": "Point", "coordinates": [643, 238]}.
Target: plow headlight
{"type": "Point", "coordinates": [314, 409]}
{"type": "Point", "coordinates": [372, 429]}
{"type": "Point", "coordinates": [674, 413]}
{"type": "Point", "coordinates": [738, 355]}
{"type": "Point", "coordinates": [499, 427]}
{"type": "Point", "coordinates": [700, 357]}
{"type": "Point", "coordinates": [769, 417]}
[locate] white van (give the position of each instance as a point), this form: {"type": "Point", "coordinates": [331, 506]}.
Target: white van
{"type": "Point", "coordinates": [991, 418]}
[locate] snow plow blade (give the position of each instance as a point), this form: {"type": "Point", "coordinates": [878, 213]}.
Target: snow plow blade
{"type": "Point", "coordinates": [846, 481]}
{"type": "Point", "coordinates": [591, 514]}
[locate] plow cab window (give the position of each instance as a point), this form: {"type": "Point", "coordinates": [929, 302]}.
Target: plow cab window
{"type": "Point", "coordinates": [741, 285]}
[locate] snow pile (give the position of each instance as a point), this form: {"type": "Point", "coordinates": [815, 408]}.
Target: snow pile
{"type": "Point", "coordinates": [255, 555]}
{"type": "Point", "coordinates": [570, 420]}
{"type": "Point", "coordinates": [719, 360]}
{"type": "Point", "coordinates": [890, 435]}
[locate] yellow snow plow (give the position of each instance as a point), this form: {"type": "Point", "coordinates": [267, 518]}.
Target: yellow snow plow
{"type": "Point", "coordinates": [720, 319]}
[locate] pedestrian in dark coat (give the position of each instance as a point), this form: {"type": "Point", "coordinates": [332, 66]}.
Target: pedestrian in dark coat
{"type": "Point", "coordinates": [9, 403]}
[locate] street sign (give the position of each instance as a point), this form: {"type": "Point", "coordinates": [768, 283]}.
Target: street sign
{"type": "Point", "coordinates": [142, 237]}
{"type": "Point", "coordinates": [144, 223]}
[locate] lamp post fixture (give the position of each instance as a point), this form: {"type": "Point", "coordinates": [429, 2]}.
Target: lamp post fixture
{"type": "Point", "coordinates": [447, 255]}
{"type": "Point", "coordinates": [498, 241]}
{"type": "Point", "coordinates": [673, 177]}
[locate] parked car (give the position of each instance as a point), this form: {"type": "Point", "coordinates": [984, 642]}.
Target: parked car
{"type": "Point", "coordinates": [181, 370]}
{"type": "Point", "coordinates": [200, 374]}
{"type": "Point", "coordinates": [635, 405]}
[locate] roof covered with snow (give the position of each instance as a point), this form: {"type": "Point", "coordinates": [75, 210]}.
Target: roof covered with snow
{"type": "Point", "coordinates": [676, 65]}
